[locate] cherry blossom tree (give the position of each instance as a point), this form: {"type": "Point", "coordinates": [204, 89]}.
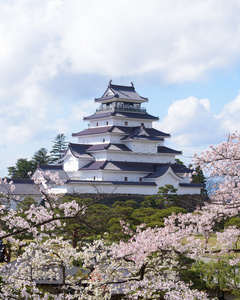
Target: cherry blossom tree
{"type": "Point", "coordinates": [147, 266]}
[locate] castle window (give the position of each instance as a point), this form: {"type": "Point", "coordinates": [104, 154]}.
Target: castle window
{"type": "Point", "coordinates": [142, 124]}
{"type": "Point", "coordinates": [140, 178]}
{"type": "Point", "coordinates": [107, 123]}
{"type": "Point", "coordinates": [103, 140]}
{"type": "Point", "coordinates": [125, 179]}
{"type": "Point", "coordinates": [126, 123]}
{"type": "Point", "coordinates": [94, 177]}
{"type": "Point", "coordinates": [96, 124]}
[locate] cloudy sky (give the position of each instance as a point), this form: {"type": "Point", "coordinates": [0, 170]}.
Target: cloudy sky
{"type": "Point", "coordinates": [56, 56]}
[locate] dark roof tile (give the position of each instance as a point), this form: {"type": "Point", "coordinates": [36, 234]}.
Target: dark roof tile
{"type": "Point", "coordinates": [22, 187]}
{"type": "Point", "coordinates": [78, 149]}
{"type": "Point", "coordinates": [131, 115]}
{"type": "Point", "coordinates": [112, 182]}
{"type": "Point", "coordinates": [163, 149]}
{"type": "Point", "coordinates": [54, 169]}
{"type": "Point", "coordinates": [122, 92]}
{"type": "Point", "coordinates": [95, 165]}
{"type": "Point", "coordinates": [191, 185]}
{"type": "Point", "coordinates": [109, 146]}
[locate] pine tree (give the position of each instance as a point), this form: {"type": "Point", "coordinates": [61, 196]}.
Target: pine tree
{"type": "Point", "coordinates": [21, 169]}
{"type": "Point", "coordinates": [59, 147]}
{"type": "Point", "coordinates": [41, 157]}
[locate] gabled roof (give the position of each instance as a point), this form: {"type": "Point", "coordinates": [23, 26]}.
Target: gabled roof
{"type": "Point", "coordinates": [161, 169]}
{"type": "Point", "coordinates": [95, 165]}
{"type": "Point", "coordinates": [121, 114]}
{"type": "Point", "coordinates": [121, 92]}
{"type": "Point", "coordinates": [151, 132]}
{"type": "Point", "coordinates": [110, 146]}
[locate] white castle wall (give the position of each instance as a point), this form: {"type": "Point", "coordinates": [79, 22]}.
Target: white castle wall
{"type": "Point", "coordinates": [120, 122]}
{"type": "Point", "coordinates": [108, 188]}
{"type": "Point", "coordinates": [74, 164]}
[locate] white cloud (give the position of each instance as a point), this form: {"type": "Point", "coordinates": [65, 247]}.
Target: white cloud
{"type": "Point", "coordinates": [193, 125]}
{"type": "Point", "coordinates": [179, 40]}
{"type": "Point", "coordinates": [230, 115]}
{"type": "Point", "coordinates": [167, 41]}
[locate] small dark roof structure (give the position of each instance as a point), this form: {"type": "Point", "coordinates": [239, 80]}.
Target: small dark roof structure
{"type": "Point", "coordinates": [115, 92]}
{"type": "Point", "coordinates": [191, 185]}
{"type": "Point", "coordinates": [109, 146]}
{"type": "Point", "coordinates": [54, 169]}
{"type": "Point", "coordinates": [165, 150]}
{"type": "Point", "coordinates": [95, 165]}
{"type": "Point", "coordinates": [142, 133]}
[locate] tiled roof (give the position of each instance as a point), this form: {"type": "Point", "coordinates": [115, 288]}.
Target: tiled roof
{"type": "Point", "coordinates": [22, 187]}
{"type": "Point", "coordinates": [131, 115]}
{"type": "Point", "coordinates": [96, 165]}
{"type": "Point", "coordinates": [120, 147]}
{"type": "Point", "coordinates": [163, 149]}
{"type": "Point", "coordinates": [121, 129]}
{"type": "Point", "coordinates": [112, 182]}
{"type": "Point", "coordinates": [161, 169]}
{"type": "Point", "coordinates": [120, 165]}
{"type": "Point", "coordinates": [95, 130]}
{"type": "Point", "coordinates": [122, 92]}
{"type": "Point", "coordinates": [78, 149]}
{"type": "Point", "coordinates": [99, 115]}
{"type": "Point", "coordinates": [54, 169]}
{"type": "Point", "coordinates": [180, 169]}
{"type": "Point", "coordinates": [144, 137]}
{"type": "Point", "coordinates": [191, 185]}
{"type": "Point", "coordinates": [110, 146]}
{"type": "Point", "coordinates": [142, 116]}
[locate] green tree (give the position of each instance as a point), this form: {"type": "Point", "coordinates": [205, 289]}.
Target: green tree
{"type": "Point", "coordinates": [41, 157]}
{"type": "Point", "coordinates": [167, 195]}
{"type": "Point", "coordinates": [58, 148]}
{"type": "Point", "coordinates": [199, 178]}
{"type": "Point", "coordinates": [179, 162]}
{"type": "Point", "coordinates": [220, 275]}
{"type": "Point", "coordinates": [21, 169]}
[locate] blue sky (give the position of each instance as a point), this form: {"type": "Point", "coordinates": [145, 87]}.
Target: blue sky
{"type": "Point", "coordinates": [56, 56]}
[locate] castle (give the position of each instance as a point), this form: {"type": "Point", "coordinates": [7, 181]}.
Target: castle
{"type": "Point", "coordinates": [121, 152]}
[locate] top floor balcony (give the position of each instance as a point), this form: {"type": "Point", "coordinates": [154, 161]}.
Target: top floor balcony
{"type": "Point", "coordinates": [118, 106]}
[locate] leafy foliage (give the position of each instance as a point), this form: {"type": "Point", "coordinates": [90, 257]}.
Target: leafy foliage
{"type": "Point", "coordinates": [146, 262]}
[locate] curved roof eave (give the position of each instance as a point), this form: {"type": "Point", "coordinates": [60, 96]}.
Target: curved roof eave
{"type": "Point", "coordinates": [176, 176]}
